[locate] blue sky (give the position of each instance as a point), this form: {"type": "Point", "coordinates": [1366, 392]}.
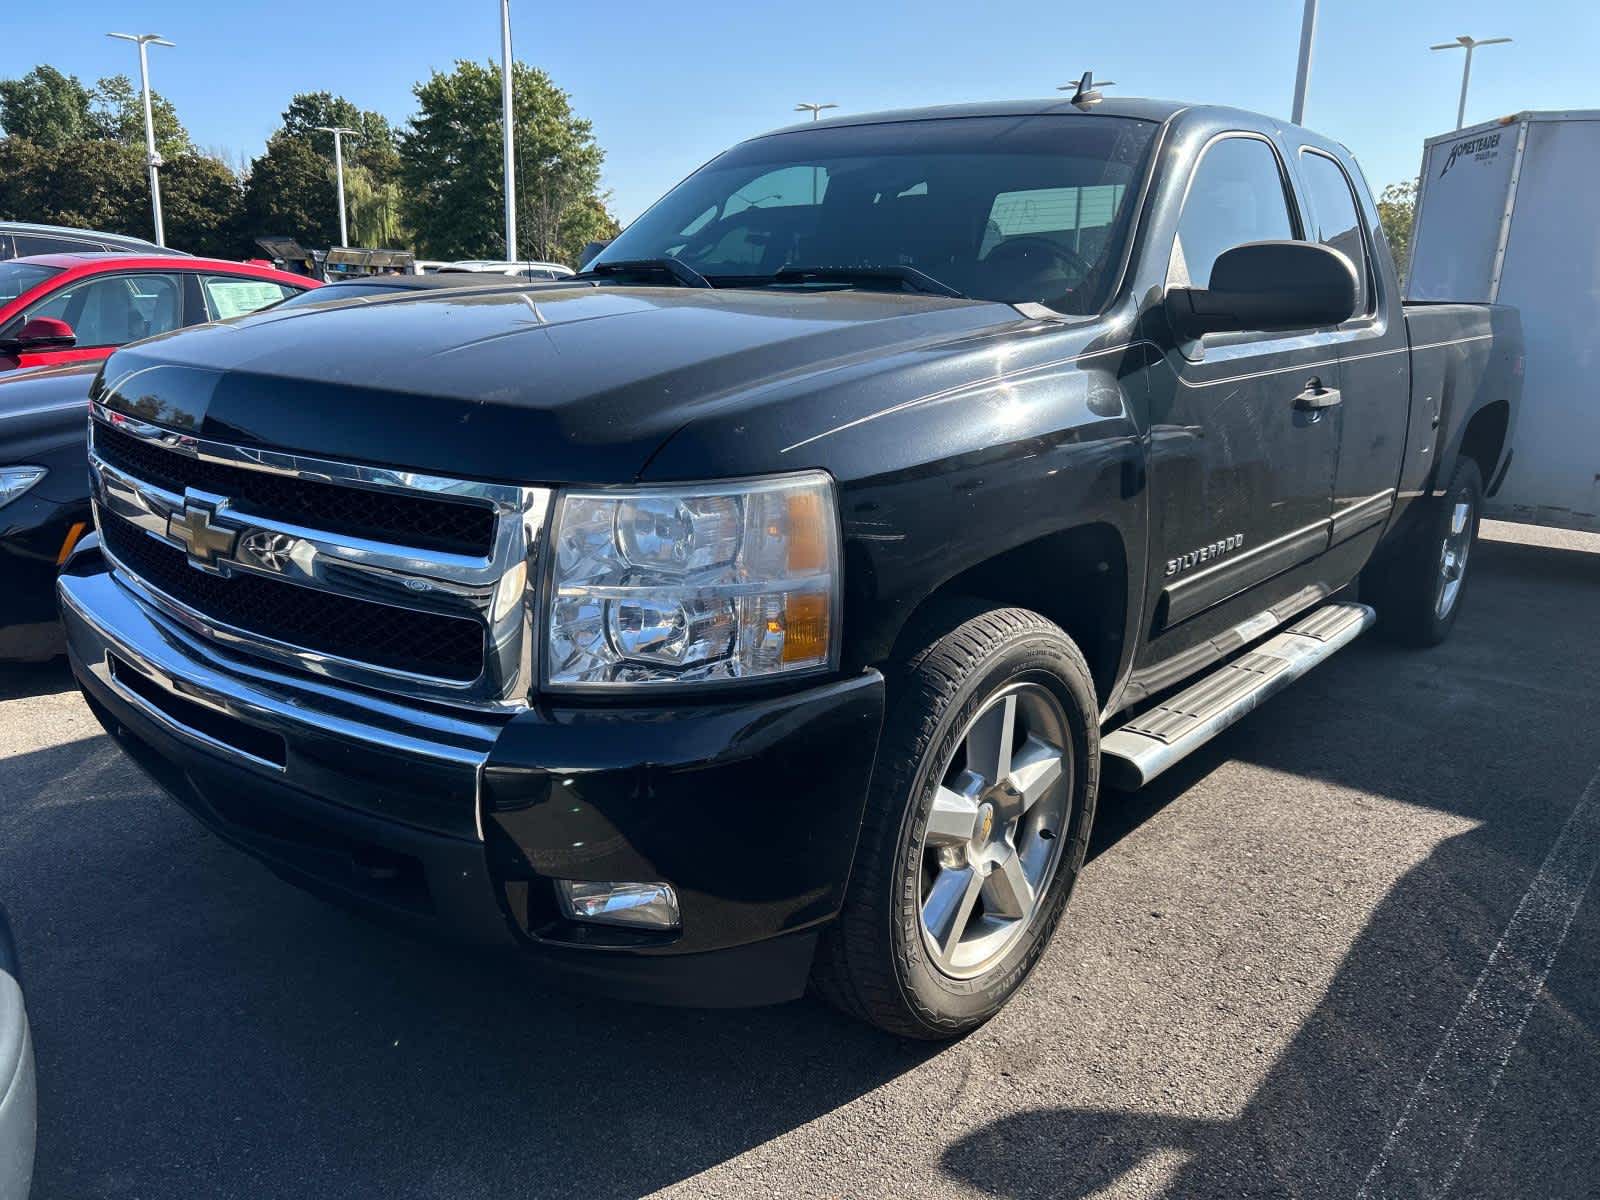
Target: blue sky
{"type": "Point", "coordinates": [668, 85]}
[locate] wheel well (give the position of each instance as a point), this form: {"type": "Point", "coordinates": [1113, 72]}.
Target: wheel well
{"type": "Point", "coordinates": [1078, 578]}
{"type": "Point", "coordinates": [1485, 437]}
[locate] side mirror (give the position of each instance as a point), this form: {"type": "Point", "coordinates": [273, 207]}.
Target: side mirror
{"type": "Point", "coordinates": [41, 333]}
{"type": "Point", "coordinates": [590, 252]}
{"type": "Point", "coordinates": [1270, 286]}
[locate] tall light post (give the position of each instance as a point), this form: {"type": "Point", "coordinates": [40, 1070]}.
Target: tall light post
{"type": "Point", "coordinates": [1302, 74]}
{"type": "Point", "coordinates": [152, 159]}
{"type": "Point", "coordinates": [508, 134]}
{"type": "Point", "coordinates": [1469, 45]}
{"type": "Point", "coordinates": [338, 170]}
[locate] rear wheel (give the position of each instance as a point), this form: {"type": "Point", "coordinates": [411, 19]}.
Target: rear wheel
{"type": "Point", "coordinates": [1420, 590]}
{"type": "Point", "coordinates": [977, 824]}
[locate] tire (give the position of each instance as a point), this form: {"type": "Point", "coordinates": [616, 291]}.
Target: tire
{"type": "Point", "coordinates": [903, 955]}
{"type": "Point", "coordinates": [1412, 589]}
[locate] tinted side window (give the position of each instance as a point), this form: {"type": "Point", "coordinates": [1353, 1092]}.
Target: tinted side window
{"type": "Point", "coordinates": [32, 243]}
{"type": "Point", "coordinates": [1336, 221]}
{"type": "Point", "coordinates": [1236, 196]}
{"type": "Point", "coordinates": [110, 310]}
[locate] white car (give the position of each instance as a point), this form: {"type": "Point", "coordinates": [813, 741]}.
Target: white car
{"type": "Point", "coordinates": [487, 266]}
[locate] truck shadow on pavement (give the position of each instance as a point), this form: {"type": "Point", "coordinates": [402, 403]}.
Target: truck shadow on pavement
{"type": "Point", "coordinates": [1498, 727]}
{"type": "Point", "coordinates": [203, 1029]}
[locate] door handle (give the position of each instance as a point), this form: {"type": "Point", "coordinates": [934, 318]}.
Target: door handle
{"type": "Point", "coordinates": [1317, 397]}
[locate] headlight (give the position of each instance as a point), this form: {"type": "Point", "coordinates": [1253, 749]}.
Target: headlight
{"type": "Point", "coordinates": [691, 584]}
{"type": "Point", "coordinates": [16, 480]}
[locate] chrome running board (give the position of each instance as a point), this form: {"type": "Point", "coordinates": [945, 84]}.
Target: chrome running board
{"type": "Point", "coordinates": [1137, 752]}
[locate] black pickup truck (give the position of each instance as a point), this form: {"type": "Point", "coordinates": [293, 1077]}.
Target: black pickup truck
{"type": "Point", "coordinates": [767, 604]}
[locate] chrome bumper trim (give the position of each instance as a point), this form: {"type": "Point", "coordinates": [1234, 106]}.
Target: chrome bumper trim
{"type": "Point", "coordinates": [441, 752]}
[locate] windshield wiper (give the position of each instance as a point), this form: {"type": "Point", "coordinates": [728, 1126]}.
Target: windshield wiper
{"type": "Point", "coordinates": [683, 275]}
{"type": "Point", "coordinates": [917, 280]}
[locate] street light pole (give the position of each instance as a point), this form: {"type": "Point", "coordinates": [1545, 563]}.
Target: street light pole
{"type": "Point", "coordinates": [1469, 45]}
{"type": "Point", "coordinates": [338, 170]}
{"type": "Point", "coordinates": [1302, 75]}
{"type": "Point", "coordinates": [814, 109]}
{"type": "Point", "coordinates": [152, 159]}
{"type": "Point", "coordinates": [508, 134]}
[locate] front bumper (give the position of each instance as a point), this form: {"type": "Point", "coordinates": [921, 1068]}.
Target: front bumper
{"type": "Point", "coordinates": [460, 822]}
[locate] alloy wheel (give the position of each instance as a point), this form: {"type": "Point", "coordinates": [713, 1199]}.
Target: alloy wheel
{"type": "Point", "coordinates": [995, 833]}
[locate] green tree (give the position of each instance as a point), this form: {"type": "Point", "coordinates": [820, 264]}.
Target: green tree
{"type": "Point", "coordinates": [46, 107]}
{"type": "Point", "coordinates": [290, 194]}
{"type": "Point", "coordinates": [24, 172]}
{"type": "Point", "coordinates": [291, 190]}
{"type": "Point", "coordinates": [96, 185]}
{"type": "Point", "coordinates": [118, 116]}
{"type": "Point", "coordinates": [451, 164]}
{"type": "Point", "coordinates": [202, 206]}
{"type": "Point", "coordinates": [1397, 210]}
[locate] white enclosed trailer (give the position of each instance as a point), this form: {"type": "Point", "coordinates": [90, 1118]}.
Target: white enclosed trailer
{"type": "Point", "coordinates": [1509, 212]}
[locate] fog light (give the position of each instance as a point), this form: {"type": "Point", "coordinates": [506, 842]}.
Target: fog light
{"type": "Point", "coordinates": [647, 905]}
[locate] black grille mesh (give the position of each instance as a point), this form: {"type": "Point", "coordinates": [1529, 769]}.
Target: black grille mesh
{"type": "Point", "coordinates": [449, 525]}
{"type": "Point", "coordinates": [398, 638]}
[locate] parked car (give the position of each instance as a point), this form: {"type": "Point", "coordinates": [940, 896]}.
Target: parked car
{"type": "Point", "coordinates": [519, 270]}
{"type": "Point", "coordinates": [79, 307]}
{"type": "Point", "coordinates": [18, 1116]}
{"type": "Point", "coordinates": [22, 239]}
{"type": "Point", "coordinates": [44, 499]}
{"type": "Point", "coordinates": [772, 609]}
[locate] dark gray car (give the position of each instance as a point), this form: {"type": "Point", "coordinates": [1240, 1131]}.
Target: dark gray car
{"type": "Point", "coordinates": [19, 239]}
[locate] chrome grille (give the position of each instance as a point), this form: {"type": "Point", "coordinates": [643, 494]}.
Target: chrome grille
{"type": "Point", "coordinates": [416, 584]}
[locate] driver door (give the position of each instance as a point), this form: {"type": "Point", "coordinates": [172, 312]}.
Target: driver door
{"type": "Point", "coordinates": [1242, 467]}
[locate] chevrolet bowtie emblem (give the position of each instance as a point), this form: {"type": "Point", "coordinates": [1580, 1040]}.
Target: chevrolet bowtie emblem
{"type": "Point", "coordinates": [202, 539]}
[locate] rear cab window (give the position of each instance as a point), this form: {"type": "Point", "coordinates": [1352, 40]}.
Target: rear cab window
{"type": "Point", "coordinates": [1335, 219]}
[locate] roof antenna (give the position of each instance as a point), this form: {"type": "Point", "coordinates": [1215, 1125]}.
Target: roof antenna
{"type": "Point", "coordinates": [1085, 90]}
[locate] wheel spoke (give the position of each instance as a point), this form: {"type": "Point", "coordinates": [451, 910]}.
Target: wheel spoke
{"type": "Point", "coordinates": [989, 742]}
{"type": "Point", "coordinates": [949, 907]}
{"type": "Point", "coordinates": [1034, 770]}
{"type": "Point", "coordinates": [954, 818]}
{"type": "Point", "coordinates": [1006, 891]}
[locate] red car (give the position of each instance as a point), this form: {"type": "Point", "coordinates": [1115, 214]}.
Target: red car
{"type": "Point", "coordinates": [57, 308]}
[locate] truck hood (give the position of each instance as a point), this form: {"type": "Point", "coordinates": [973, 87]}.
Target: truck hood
{"type": "Point", "coordinates": [565, 384]}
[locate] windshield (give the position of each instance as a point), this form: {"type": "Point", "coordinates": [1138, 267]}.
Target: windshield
{"type": "Point", "coordinates": [18, 277]}
{"type": "Point", "coordinates": [1015, 209]}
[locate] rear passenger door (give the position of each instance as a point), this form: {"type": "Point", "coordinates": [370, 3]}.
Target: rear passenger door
{"type": "Point", "coordinates": [1242, 470]}
{"type": "Point", "coordinates": [1373, 358]}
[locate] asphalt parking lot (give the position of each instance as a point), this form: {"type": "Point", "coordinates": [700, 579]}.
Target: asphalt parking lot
{"type": "Point", "coordinates": [1310, 962]}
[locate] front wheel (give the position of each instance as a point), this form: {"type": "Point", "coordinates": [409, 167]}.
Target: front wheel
{"type": "Point", "coordinates": [976, 827]}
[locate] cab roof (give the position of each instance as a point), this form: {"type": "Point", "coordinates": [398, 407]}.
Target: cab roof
{"type": "Point", "coordinates": [1111, 106]}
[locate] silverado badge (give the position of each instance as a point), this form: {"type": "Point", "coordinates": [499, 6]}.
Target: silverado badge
{"type": "Point", "coordinates": [1227, 545]}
